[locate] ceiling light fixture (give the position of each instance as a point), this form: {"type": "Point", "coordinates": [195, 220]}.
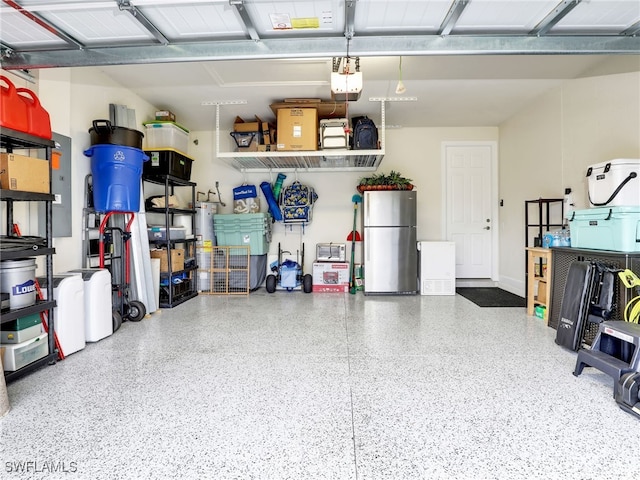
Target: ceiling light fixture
{"type": "Point", "coordinates": [400, 88]}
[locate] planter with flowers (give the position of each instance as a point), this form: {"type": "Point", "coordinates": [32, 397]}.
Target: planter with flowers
{"type": "Point", "coordinates": [392, 181]}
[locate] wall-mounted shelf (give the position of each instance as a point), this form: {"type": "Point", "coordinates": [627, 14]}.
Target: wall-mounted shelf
{"type": "Point", "coordinates": [308, 161]}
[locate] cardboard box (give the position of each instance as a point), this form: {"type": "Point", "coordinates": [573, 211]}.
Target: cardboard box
{"type": "Point", "coordinates": [325, 109]}
{"type": "Point", "coordinates": [165, 115]}
{"type": "Point", "coordinates": [26, 174]}
{"type": "Point", "coordinates": [330, 289]}
{"type": "Point", "coordinates": [259, 136]}
{"type": "Point", "coordinates": [297, 129]}
{"type": "Point", "coordinates": [331, 277]}
{"type": "Point", "coordinates": [542, 291]}
{"type": "Point", "coordinates": [177, 259]}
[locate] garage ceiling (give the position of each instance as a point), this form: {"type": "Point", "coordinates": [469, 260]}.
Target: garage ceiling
{"type": "Point", "coordinates": [468, 62]}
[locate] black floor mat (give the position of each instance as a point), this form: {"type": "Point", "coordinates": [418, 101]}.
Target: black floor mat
{"type": "Point", "coordinates": [491, 297]}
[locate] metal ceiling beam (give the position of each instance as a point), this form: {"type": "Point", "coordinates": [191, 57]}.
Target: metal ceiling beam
{"type": "Point", "coordinates": [246, 19]}
{"type": "Point", "coordinates": [452, 16]}
{"type": "Point", "coordinates": [558, 13]}
{"type": "Point", "coordinates": [349, 18]}
{"type": "Point", "coordinates": [328, 47]}
{"type": "Point", "coordinates": [125, 6]}
{"type": "Point", "coordinates": [632, 30]}
{"type": "Point", "coordinates": [48, 26]}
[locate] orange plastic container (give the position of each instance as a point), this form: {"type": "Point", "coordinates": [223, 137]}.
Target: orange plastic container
{"type": "Point", "coordinates": [13, 110]}
{"type": "Point", "coordinates": [39, 123]}
{"type": "Point", "coordinates": [38, 118]}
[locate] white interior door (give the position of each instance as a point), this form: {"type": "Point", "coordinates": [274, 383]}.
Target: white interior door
{"type": "Point", "coordinates": [469, 198]}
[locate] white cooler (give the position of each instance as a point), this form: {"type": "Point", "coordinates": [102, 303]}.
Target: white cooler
{"type": "Point", "coordinates": [606, 228]}
{"type": "Point", "coordinates": [615, 183]}
{"type": "Point", "coordinates": [98, 316]}
{"type": "Point", "coordinates": [68, 292]}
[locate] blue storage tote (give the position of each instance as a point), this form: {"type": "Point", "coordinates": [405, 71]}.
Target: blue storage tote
{"type": "Point", "coordinates": [252, 229]}
{"type": "Point", "coordinates": [606, 228]}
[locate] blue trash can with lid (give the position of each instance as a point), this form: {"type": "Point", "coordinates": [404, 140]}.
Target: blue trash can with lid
{"type": "Point", "coordinates": [116, 172]}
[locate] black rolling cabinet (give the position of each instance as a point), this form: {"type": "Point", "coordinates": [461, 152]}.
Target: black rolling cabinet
{"type": "Point", "coordinates": [562, 257]}
{"type": "Point", "coordinates": [178, 281]}
{"type": "Point", "coordinates": [28, 247]}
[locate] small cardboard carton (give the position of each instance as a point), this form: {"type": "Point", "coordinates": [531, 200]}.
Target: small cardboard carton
{"type": "Point", "coordinates": [177, 259]}
{"type": "Point", "coordinates": [165, 115]}
{"type": "Point", "coordinates": [26, 174]}
{"type": "Point", "coordinates": [258, 135]}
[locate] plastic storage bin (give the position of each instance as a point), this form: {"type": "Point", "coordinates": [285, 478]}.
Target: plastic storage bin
{"type": "Point", "coordinates": [21, 329]}
{"type": "Point", "coordinates": [245, 229]}
{"type": "Point", "coordinates": [116, 171]}
{"type": "Point", "coordinates": [167, 161]}
{"type": "Point", "coordinates": [615, 228]}
{"type": "Point", "coordinates": [166, 135]}
{"type": "Point", "coordinates": [158, 233]}
{"type": "Point", "coordinates": [19, 355]}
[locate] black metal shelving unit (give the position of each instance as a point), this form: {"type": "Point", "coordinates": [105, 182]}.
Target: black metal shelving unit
{"type": "Point", "coordinates": [11, 140]}
{"type": "Point", "coordinates": [543, 222]}
{"type": "Point", "coordinates": [172, 294]}
{"type": "Point", "coordinates": [539, 224]}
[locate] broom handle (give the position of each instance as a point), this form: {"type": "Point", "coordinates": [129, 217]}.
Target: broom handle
{"type": "Point", "coordinates": [352, 274]}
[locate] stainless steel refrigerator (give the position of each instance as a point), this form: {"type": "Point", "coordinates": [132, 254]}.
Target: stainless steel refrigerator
{"type": "Point", "coordinates": [390, 247]}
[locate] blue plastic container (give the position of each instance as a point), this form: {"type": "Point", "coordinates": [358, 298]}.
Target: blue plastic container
{"type": "Point", "coordinates": [116, 172]}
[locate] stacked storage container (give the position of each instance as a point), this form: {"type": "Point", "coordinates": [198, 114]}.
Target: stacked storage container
{"type": "Point", "coordinates": [166, 143]}
{"type": "Point", "coordinates": [613, 221]}
{"type": "Point", "coordinates": [24, 341]}
{"type": "Point", "coordinates": [247, 229]}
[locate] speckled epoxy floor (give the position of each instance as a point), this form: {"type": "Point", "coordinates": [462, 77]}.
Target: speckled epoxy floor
{"type": "Point", "coordinates": [320, 386]}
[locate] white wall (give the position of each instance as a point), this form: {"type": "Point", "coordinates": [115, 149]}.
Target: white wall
{"type": "Point", "coordinates": [549, 145]}
{"type": "Point", "coordinates": [543, 149]}
{"type": "Point", "coordinates": [414, 152]}
{"type": "Point", "coordinates": [74, 98]}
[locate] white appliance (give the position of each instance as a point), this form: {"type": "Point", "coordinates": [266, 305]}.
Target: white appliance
{"type": "Point", "coordinates": [390, 255]}
{"type": "Point", "coordinates": [98, 306]}
{"type": "Point", "coordinates": [437, 270]}
{"type": "Point", "coordinates": [205, 240]}
{"type": "Point", "coordinates": [204, 222]}
{"type": "Point", "coordinates": [68, 292]}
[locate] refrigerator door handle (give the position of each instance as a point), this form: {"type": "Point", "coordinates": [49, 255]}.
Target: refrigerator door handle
{"type": "Point", "coordinates": [366, 209]}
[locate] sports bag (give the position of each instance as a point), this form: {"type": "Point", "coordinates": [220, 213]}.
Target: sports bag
{"type": "Point", "coordinates": [365, 134]}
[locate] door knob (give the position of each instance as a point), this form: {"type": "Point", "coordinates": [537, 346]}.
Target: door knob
{"type": "Point", "coordinates": [487, 228]}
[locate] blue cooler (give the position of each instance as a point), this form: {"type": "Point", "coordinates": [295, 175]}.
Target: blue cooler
{"type": "Point", "coordinates": [116, 172]}
{"type": "Point", "coordinates": [607, 228]}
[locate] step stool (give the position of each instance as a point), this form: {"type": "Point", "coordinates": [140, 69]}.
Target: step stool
{"type": "Point", "coordinates": [615, 350]}
{"type": "Point", "coordinates": [628, 393]}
